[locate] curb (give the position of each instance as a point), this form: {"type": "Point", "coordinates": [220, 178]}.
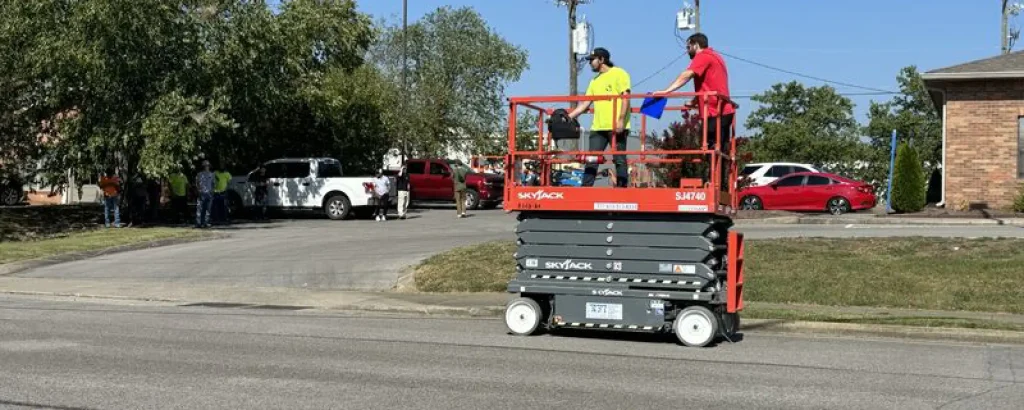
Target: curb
{"type": "Point", "coordinates": [18, 267]}
{"type": "Point", "coordinates": [894, 331]}
{"type": "Point", "coordinates": [776, 326]}
{"type": "Point", "coordinates": [817, 220]}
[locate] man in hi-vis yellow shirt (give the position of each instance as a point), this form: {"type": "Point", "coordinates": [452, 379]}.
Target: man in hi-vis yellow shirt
{"type": "Point", "coordinates": [610, 80]}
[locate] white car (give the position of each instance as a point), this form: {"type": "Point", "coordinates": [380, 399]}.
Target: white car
{"type": "Point", "coordinates": [765, 173]}
{"type": "Point", "coordinates": [307, 184]}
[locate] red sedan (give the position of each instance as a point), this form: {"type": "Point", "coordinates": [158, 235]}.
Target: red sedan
{"type": "Point", "coordinates": [810, 191]}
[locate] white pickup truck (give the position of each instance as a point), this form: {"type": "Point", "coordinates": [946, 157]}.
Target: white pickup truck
{"type": "Point", "coordinates": [307, 184]}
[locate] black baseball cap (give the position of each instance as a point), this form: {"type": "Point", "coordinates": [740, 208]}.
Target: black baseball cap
{"type": "Point", "coordinates": [601, 52]}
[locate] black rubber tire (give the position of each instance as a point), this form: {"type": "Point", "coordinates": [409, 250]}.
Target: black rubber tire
{"type": "Point", "coordinates": [472, 199]}
{"type": "Point", "coordinates": [337, 207]}
{"type": "Point", "coordinates": [755, 203]}
{"type": "Point", "coordinates": [837, 205]}
{"type": "Point", "coordinates": [10, 195]}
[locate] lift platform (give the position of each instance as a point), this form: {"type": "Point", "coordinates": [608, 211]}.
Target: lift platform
{"type": "Point", "coordinates": [657, 256]}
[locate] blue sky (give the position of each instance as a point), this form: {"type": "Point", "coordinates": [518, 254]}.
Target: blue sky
{"type": "Point", "coordinates": [863, 42]}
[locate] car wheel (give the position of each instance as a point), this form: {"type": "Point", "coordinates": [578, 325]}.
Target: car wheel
{"type": "Point", "coordinates": [472, 199]}
{"type": "Point", "coordinates": [838, 206]}
{"type": "Point", "coordinates": [751, 203]}
{"type": "Point", "coordinates": [10, 196]}
{"type": "Point", "coordinates": [337, 207]}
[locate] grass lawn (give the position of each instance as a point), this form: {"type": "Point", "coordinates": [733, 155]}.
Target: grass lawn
{"type": "Point", "coordinates": [92, 240]}
{"type": "Point", "coordinates": [921, 273]}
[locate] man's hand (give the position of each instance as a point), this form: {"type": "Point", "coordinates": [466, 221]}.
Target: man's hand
{"type": "Point", "coordinates": [621, 126]}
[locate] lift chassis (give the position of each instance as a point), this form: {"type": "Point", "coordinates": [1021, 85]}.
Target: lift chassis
{"type": "Point", "coordinates": [655, 258]}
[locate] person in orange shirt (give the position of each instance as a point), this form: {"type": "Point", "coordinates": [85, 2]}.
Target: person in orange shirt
{"type": "Point", "coordinates": [110, 183]}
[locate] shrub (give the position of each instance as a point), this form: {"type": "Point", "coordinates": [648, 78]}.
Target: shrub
{"type": "Point", "coordinates": [908, 184]}
{"type": "Point", "coordinates": [1018, 204]}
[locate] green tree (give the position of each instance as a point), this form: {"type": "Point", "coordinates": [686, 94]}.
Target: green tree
{"type": "Point", "coordinates": [908, 183]}
{"type": "Point", "coordinates": [806, 124]}
{"type": "Point", "coordinates": [458, 69]}
{"type": "Point", "coordinates": [914, 117]}
{"type": "Point", "coordinates": [148, 84]}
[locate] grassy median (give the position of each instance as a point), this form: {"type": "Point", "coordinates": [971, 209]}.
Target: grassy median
{"type": "Point", "coordinates": [89, 241]}
{"type": "Point", "coordinates": [920, 273]}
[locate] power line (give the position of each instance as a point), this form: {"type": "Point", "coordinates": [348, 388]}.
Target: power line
{"type": "Point", "coordinates": [824, 80]}
{"type": "Point", "coordinates": [682, 44]}
{"type": "Point", "coordinates": [660, 70]}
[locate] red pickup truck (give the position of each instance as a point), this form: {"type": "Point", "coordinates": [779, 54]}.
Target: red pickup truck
{"type": "Point", "coordinates": [431, 181]}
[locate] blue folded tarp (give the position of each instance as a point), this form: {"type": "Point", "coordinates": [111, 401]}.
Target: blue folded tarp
{"type": "Point", "coordinates": [653, 106]}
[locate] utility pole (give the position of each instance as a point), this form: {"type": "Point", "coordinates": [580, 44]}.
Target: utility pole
{"type": "Point", "coordinates": [573, 69]}
{"type": "Point", "coordinates": [405, 72]}
{"type": "Point", "coordinates": [696, 16]}
{"type": "Point", "coordinates": [1009, 34]}
{"type": "Point", "coordinates": [1006, 35]}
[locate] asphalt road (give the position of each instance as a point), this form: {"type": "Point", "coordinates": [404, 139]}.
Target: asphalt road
{"type": "Point", "coordinates": [61, 355]}
{"type": "Point", "coordinates": [369, 255]}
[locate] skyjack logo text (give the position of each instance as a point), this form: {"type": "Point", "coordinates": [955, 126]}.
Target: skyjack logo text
{"type": "Point", "coordinates": [540, 195]}
{"type": "Point", "coordinates": [568, 265]}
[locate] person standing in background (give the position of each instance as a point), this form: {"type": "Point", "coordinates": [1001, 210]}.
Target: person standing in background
{"type": "Point", "coordinates": [258, 180]}
{"type": "Point", "coordinates": [402, 184]}
{"type": "Point", "coordinates": [204, 187]}
{"type": "Point", "coordinates": [110, 183]}
{"type": "Point", "coordinates": [381, 192]}
{"type": "Point", "coordinates": [459, 179]}
{"type": "Point", "coordinates": [178, 183]}
{"type": "Point", "coordinates": [220, 195]}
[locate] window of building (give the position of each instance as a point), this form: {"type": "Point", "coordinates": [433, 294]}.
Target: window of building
{"type": "Point", "coordinates": [1020, 147]}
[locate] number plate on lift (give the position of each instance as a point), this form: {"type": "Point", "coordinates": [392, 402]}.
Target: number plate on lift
{"type": "Point", "coordinates": [605, 311]}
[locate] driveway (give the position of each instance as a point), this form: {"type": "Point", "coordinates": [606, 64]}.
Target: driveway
{"type": "Point", "coordinates": [305, 253]}
{"type": "Point", "coordinates": [369, 255]}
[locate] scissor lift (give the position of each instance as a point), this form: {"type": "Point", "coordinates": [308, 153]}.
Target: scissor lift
{"type": "Point", "coordinates": [658, 258]}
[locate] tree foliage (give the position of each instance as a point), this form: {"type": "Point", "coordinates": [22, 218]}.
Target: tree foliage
{"type": "Point", "coordinates": [812, 125]}
{"type": "Point", "coordinates": [458, 68]}
{"type": "Point", "coordinates": [680, 135]}
{"type": "Point", "coordinates": [914, 117]}
{"type": "Point", "coordinates": [146, 85]}
{"type": "Point", "coordinates": [908, 183]}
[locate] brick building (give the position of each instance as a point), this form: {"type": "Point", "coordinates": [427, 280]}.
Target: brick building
{"type": "Point", "coordinates": [982, 107]}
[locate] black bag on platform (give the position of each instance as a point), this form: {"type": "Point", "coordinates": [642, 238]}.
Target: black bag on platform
{"type": "Point", "coordinates": [562, 127]}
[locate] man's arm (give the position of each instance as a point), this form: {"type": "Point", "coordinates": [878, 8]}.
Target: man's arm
{"type": "Point", "coordinates": [580, 109]}
{"type": "Point", "coordinates": [680, 81]}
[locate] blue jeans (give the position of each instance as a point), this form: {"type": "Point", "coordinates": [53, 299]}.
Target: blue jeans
{"type": "Point", "coordinates": [112, 203]}
{"type": "Point", "coordinates": [203, 209]}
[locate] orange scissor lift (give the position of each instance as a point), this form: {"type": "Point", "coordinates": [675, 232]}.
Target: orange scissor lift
{"type": "Point", "coordinates": [654, 258]}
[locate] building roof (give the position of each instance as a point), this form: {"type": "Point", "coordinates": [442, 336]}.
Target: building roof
{"type": "Point", "coordinates": [1002, 66]}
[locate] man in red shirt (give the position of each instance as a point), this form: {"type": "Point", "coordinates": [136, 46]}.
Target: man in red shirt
{"type": "Point", "coordinates": [708, 71]}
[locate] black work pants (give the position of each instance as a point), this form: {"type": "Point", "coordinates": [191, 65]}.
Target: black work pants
{"type": "Point", "coordinates": [599, 141]}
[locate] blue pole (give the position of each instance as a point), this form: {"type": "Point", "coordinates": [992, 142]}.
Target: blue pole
{"type": "Point", "coordinates": [892, 165]}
